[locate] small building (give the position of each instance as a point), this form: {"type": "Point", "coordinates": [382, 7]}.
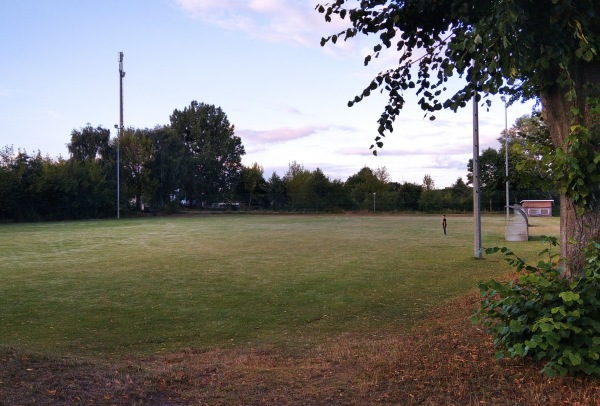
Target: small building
{"type": "Point", "coordinates": [537, 208]}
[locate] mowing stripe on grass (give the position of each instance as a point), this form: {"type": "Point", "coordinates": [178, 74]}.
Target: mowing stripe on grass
{"type": "Point", "coordinates": [110, 288]}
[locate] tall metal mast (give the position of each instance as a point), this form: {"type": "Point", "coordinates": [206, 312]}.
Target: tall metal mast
{"type": "Point", "coordinates": [120, 131]}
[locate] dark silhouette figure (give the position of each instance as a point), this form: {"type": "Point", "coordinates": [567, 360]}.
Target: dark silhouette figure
{"type": "Point", "coordinates": [444, 223]}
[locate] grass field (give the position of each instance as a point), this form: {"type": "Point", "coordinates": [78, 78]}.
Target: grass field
{"type": "Point", "coordinates": [156, 285]}
{"type": "Point", "coordinates": [265, 310]}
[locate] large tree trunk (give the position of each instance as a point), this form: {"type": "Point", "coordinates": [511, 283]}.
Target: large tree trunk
{"type": "Point", "coordinates": [576, 231]}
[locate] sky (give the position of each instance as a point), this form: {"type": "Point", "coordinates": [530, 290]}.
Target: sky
{"type": "Point", "coordinates": [260, 61]}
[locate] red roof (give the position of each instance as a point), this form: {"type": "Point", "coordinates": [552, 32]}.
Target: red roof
{"type": "Point", "coordinates": [537, 203]}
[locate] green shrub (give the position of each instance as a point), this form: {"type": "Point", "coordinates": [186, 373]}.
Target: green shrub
{"type": "Point", "coordinates": [542, 315]}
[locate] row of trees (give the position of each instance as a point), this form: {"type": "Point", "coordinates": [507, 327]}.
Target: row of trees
{"type": "Point", "coordinates": [196, 160]}
{"type": "Point", "coordinates": [371, 190]}
{"type": "Point", "coordinates": [157, 176]}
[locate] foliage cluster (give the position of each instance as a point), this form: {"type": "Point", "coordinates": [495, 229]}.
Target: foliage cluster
{"type": "Point", "coordinates": [539, 49]}
{"type": "Point", "coordinates": [35, 187]}
{"type": "Point", "coordinates": [497, 47]}
{"type": "Point", "coordinates": [578, 172]}
{"type": "Point", "coordinates": [196, 162]}
{"type": "Point", "coordinates": [545, 316]}
{"type": "Point", "coordinates": [153, 172]}
{"type": "Point", "coordinates": [304, 190]}
{"type": "Point", "coordinates": [530, 176]}
{"type": "Point", "coordinates": [197, 158]}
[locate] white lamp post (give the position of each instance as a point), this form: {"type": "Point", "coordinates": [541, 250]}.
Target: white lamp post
{"type": "Point", "coordinates": [506, 154]}
{"type": "Point", "coordinates": [118, 170]}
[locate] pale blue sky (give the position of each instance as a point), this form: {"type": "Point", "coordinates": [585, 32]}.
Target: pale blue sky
{"type": "Point", "coordinates": [259, 60]}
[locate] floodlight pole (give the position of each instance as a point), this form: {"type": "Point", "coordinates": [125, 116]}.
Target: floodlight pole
{"type": "Point", "coordinates": [119, 132]}
{"type": "Point", "coordinates": [476, 188]}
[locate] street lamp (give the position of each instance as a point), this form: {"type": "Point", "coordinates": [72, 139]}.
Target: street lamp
{"type": "Point", "coordinates": [506, 153]}
{"type": "Point", "coordinates": [118, 169]}
{"type": "Point", "coordinates": [373, 202]}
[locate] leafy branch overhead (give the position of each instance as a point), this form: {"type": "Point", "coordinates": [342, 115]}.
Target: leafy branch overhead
{"type": "Point", "coordinates": [497, 47]}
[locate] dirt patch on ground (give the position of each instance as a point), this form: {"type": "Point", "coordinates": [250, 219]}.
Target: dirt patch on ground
{"type": "Point", "coordinates": [444, 361]}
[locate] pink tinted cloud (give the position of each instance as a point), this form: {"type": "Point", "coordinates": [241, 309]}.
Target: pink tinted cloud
{"type": "Point", "coordinates": [279, 135]}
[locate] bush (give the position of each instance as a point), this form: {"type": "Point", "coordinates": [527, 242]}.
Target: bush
{"type": "Point", "coordinates": [543, 315]}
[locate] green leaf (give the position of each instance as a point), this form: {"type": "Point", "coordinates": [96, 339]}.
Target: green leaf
{"type": "Point", "coordinates": [569, 297]}
{"type": "Point", "coordinates": [574, 359]}
{"type": "Point", "coordinates": [549, 371]}
{"type": "Point", "coordinates": [515, 326]}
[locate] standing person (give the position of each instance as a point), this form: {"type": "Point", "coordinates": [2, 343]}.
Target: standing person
{"type": "Point", "coordinates": [444, 223]}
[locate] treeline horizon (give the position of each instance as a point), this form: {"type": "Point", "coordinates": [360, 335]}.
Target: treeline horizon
{"type": "Point", "coordinates": [195, 162]}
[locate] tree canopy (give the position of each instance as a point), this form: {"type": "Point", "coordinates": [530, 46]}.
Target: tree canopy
{"type": "Point", "coordinates": [89, 143]}
{"type": "Point", "coordinates": [213, 151]}
{"type": "Point", "coordinates": [520, 48]}
{"type": "Point", "coordinates": [524, 49]}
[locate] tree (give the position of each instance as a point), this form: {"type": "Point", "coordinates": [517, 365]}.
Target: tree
{"type": "Point", "coordinates": [213, 153]}
{"type": "Point", "coordinates": [93, 159]}
{"type": "Point", "coordinates": [529, 169]}
{"type": "Point", "coordinates": [383, 175]}
{"type": "Point", "coordinates": [253, 183]}
{"type": "Point", "coordinates": [533, 49]}
{"type": "Point", "coordinates": [297, 187]}
{"type": "Point", "coordinates": [19, 173]}
{"type": "Point", "coordinates": [277, 192]}
{"type": "Point", "coordinates": [8, 182]}
{"type": "Point", "coordinates": [89, 144]}
{"type": "Point", "coordinates": [362, 185]}
{"type": "Point", "coordinates": [319, 189]}
{"type": "Point", "coordinates": [167, 168]}
{"type": "Point", "coordinates": [338, 197]}
{"type": "Point", "coordinates": [137, 154]}
{"type": "Point", "coordinates": [492, 177]}
{"type": "Point", "coordinates": [460, 196]}
{"type": "Point", "coordinates": [491, 170]}
{"type": "Point", "coordinates": [408, 195]}
{"type": "Point", "coordinates": [428, 183]}
{"type": "Point", "coordinates": [530, 151]}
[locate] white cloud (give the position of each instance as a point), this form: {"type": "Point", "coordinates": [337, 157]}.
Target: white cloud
{"type": "Point", "coordinates": [278, 135]}
{"type": "Point", "coordinates": [286, 134]}
{"type": "Point", "coordinates": [274, 20]}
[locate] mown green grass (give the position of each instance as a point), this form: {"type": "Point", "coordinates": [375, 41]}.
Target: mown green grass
{"type": "Point", "coordinates": [142, 286]}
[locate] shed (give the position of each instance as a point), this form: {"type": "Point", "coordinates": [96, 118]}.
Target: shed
{"type": "Point", "coordinates": [537, 208]}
